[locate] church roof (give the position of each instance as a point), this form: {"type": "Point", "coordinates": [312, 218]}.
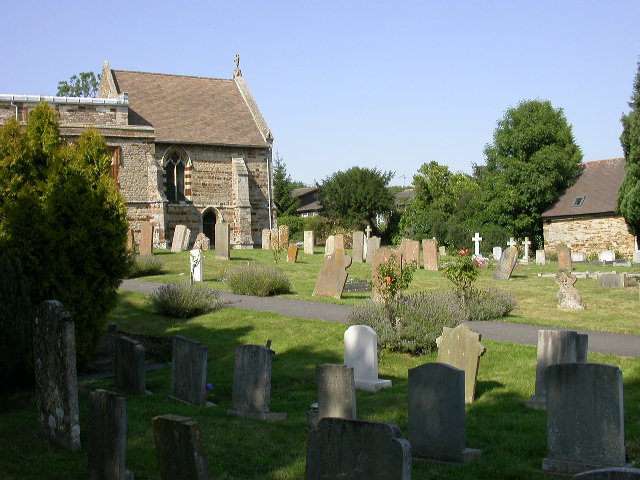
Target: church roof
{"type": "Point", "coordinates": [594, 192]}
{"type": "Point", "coordinates": [185, 109]}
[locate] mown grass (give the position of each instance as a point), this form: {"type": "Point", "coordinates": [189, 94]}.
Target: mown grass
{"type": "Point", "coordinates": [512, 436]}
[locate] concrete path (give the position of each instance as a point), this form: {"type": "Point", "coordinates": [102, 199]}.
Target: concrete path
{"type": "Point", "coordinates": [624, 345]}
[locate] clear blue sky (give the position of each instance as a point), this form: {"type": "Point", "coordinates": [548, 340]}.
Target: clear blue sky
{"type": "Point", "coordinates": [384, 84]}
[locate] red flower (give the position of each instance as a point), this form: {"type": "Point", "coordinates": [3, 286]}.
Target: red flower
{"type": "Point", "coordinates": [461, 252]}
{"type": "Point", "coordinates": [388, 279]}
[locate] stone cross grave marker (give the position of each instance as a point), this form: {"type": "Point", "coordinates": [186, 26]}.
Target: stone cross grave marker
{"type": "Point", "coordinates": [357, 450]}
{"type": "Point", "coordinates": [189, 372]}
{"type": "Point", "coordinates": [564, 257]}
{"type": "Point", "coordinates": [437, 429]}
{"type": "Point", "coordinates": [508, 262]}
{"type": "Point", "coordinates": [361, 353]}
{"type": "Point", "coordinates": [373, 244]}
{"type": "Point", "coordinates": [585, 418]}
{"type": "Point", "coordinates": [131, 376]}
{"type": "Point", "coordinates": [146, 239]}
{"type": "Point", "coordinates": [410, 250]}
{"type": "Point", "coordinates": [368, 231]}
{"type": "Point", "coordinates": [309, 242]}
{"type": "Point", "coordinates": [512, 242]}
{"type": "Point", "coordinates": [292, 253]}
{"type": "Point", "coordinates": [54, 351]}
{"type": "Point", "coordinates": [461, 348]}
{"type": "Point", "coordinates": [357, 249]}
{"type": "Point", "coordinates": [497, 253]}
{"type": "Point", "coordinates": [251, 394]}
{"type": "Point", "coordinates": [430, 254]}
{"type": "Point", "coordinates": [107, 436]}
{"type": "Point", "coordinates": [333, 275]}
{"type": "Point", "coordinates": [329, 245]}
{"type": "Point", "coordinates": [569, 297]}
{"type": "Point", "coordinates": [476, 244]}
{"type": "Point", "coordinates": [556, 346]}
{"type": "Point", "coordinates": [195, 264]}
{"type": "Point", "coordinates": [202, 242]}
{"type": "Point", "coordinates": [336, 391]}
{"type": "Point", "coordinates": [266, 239]}
{"type": "Point", "coordinates": [541, 257]}
{"type": "Point", "coordinates": [527, 244]}
{"type": "Point", "coordinates": [223, 241]}
{"type": "Point", "coordinates": [180, 238]}
{"type": "Point", "coordinates": [180, 448]}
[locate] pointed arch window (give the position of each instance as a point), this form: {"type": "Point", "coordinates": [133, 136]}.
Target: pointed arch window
{"type": "Point", "coordinates": [174, 172]}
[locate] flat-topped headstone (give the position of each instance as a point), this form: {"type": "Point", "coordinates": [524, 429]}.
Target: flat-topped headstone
{"type": "Point", "coordinates": [606, 256]}
{"type": "Point", "coordinates": [202, 242]}
{"type": "Point", "coordinates": [336, 391]}
{"type": "Point", "coordinates": [180, 238]}
{"type": "Point", "coordinates": [333, 275]}
{"type": "Point", "coordinates": [430, 254]}
{"type": "Point", "coordinates": [554, 347]}
{"type": "Point", "coordinates": [283, 236]}
{"type": "Point", "coordinates": [357, 450]}
{"type": "Point", "coordinates": [578, 256]}
{"type": "Point", "coordinates": [437, 429]}
{"type": "Point", "coordinates": [357, 247]}
{"type": "Point", "coordinates": [373, 244]}
{"type": "Point", "coordinates": [329, 245]}
{"type": "Point", "coordinates": [309, 242]}
{"type": "Point", "coordinates": [410, 250]}
{"type": "Point", "coordinates": [461, 348]}
{"type": "Point", "coordinates": [274, 239]}
{"type": "Point", "coordinates": [442, 250]}
{"type": "Point", "coordinates": [613, 473]}
{"type": "Point", "coordinates": [195, 264]}
{"type": "Point", "coordinates": [383, 255]}
{"type": "Point", "coordinates": [338, 242]}
{"type": "Point", "coordinates": [541, 257]}
{"type": "Point", "coordinates": [54, 352]}
{"type": "Point", "coordinates": [223, 241]}
{"type": "Point", "coordinates": [569, 298]}
{"type": "Point", "coordinates": [497, 253]}
{"type": "Point", "coordinates": [266, 239]}
{"type": "Point", "coordinates": [251, 396]}
{"type": "Point", "coordinates": [564, 257]}
{"type": "Point", "coordinates": [636, 256]}
{"type": "Point", "coordinates": [585, 418]}
{"type": "Point", "coordinates": [130, 366]}
{"type": "Point", "coordinates": [612, 280]}
{"type": "Point", "coordinates": [180, 448]}
{"type": "Point", "coordinates": [107, 436]}
{"type": "Point", "coordinates": [146, 239]}
{"type": "Point", "coordinates": [508, 262]}
{"type": "Point", "coordinates": [292, 253]}
{"type": "Point", "coordinates": [361, 353]}
{"type": "Point", "coordinates": [189, 372]}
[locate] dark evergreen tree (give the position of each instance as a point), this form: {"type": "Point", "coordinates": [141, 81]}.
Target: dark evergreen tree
{"type": "Point", "coordinates": [282, 188]}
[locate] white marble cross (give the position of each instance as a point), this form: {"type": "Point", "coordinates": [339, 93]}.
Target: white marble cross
{"type": "Point", "coordinates": [512, 242]}
{"type": "Point", "coordinates": [368, 231]}
{"type": "Point", "coordinates": [476, 240]}
{"type": "Point", "coordinates": [526, 244]}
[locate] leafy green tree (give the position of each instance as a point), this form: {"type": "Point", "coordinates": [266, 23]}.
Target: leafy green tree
{"type": "Point", "coordinates": [282, 188]}
{"type": "Point", "coordinates": [84, 85]}
{"type": "Point", "coordinates": [356, 196]}
{"type": "Point", "coordinates": [533, 157]}
{"type": "Point", "coordinates": [629, 193]}
{"type": "Point", "coordinates": [65, 220]}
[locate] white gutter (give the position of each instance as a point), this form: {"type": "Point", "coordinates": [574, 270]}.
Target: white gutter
{"type": "Point", "coordinates": [122, 100]}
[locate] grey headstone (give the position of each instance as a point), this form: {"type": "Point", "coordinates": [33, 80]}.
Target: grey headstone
{"type": "Point", "coordinates": [541, 257]}
{"type": "Point", "coordinates": [146, 238]}
{"type": "Point", "coordinates": [251, 394]}
{"type": "Point", "coordinates": [612, 280]}
{"type": "Point", "coordinates": [636, 256]}
{"type": "Point", "coordinates": [333, 275]}
{"type": "Point", "coordinates": [357, 450]}
{"type": "Point", "coordinates": [564, 257]}
{"type": "Point", "coordinates": [131, 240]}
{"type": "Point", "coordinates": [309, 242]}
{"type": "Point", "coordinates": [554, 347]}
{"type": "Point", "coordinates": [266, 239]}
{"type": "Point", "coordinates": [585, 418]}
{"type": "Point", "coordinates": [508, 261]}
{"type": "Point", "coordinates": [569, 298]}
{"type": "Point", "coordinates": [607, 256]}
{"type": "Point", "coordinates": [223, 241]}
{"type": "Point", "coordinates": [189, 371]}
{"type": "Point", "coordinates": [107, 436]}
{"type": "Point", "coordinates": [442, 250]}
{"type": "Point", "coordinates": [361, 353]}
{"type": "Point", "coordinates": [130, 366]}
{"type": "Point", "coordinates": [437, 429]}
{"type": "Point", "coordinates": [180, 448]}
{"type": "Point", "coordinates": [373, 244]}
{"type": "Point", "coordinates": [338, 242]}
{"type": "Point", "coordinates": [357, 252]}
{"type": "Point", "coordinates": [54, 351]}
{"type": "Point", "coordinates": [336, 391]}
{"type": "Point", "coordinates": [180, 237]}
{"type": "Point", "coordinates": [410, 250]}
{"type": "Point", "coordinates": [430, 254]}
{"type": "Point", "coordinates": [614, 473]}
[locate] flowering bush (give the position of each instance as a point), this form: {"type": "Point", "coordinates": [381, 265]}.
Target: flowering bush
{"type": "Point", "coordinates": [392, 278]}
{"type": "Point", "coordinates": [463, 271]}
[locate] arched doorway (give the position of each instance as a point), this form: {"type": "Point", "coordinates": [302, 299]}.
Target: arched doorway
{"type": "Point", "coordinates": [209, 225]}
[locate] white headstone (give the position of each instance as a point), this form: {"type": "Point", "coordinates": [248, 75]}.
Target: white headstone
{"type": "Point", "coordinates": [309, 242]}
{"type": "Point", "coordinates": [330, 245]}
{"type": "Point", "coordinates": [578, 257]}
{"type": "Point", "coordinates": [361, 353]}
{"type": "Point", "coordinates": [476, 241]}
{"type": "Point", "coordinates": [497, 253]}
{"type": "Point", "coordinates": [636, 256]}
{"type": "Point", "coordinates": [527, 244]}
{"type": "Point", "coordinates": [196, 265]}
{"type": "Point", "coordinates": [512, 242]}
{"type": "Point", "coordinates": [606, 256]}
{"type": "Point", "coordinates": [541, 257]}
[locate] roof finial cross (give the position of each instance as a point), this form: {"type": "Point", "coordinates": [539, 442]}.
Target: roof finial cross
{"type": "Point", "coordinates": [237, 72]}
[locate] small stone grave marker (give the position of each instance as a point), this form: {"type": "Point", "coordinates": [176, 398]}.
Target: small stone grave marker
{"type": "Point", "coordinates": [223, 241]}
{"type": "Point", "coordinates": [131, 240]}
{"type": "Point", "coordinates": [564, 257]}
{"type": "Point", "coordinates": [607, 256]}
{"type": "Point", "coordinates": [512, 242]}
{"type": "Point", "coordinates": [636, 256]}
{"type": "Point", "coordinates": [333, 275]}
{"type": "Point", "coordinates": [283, 236]}
{"type": "Point", "coordinates": [180, 238]}
{"type": "Point", "coordinates": [497, 253]}
{"type": "Point", "coordinates": [508, 262]}
{"type": "Point", "coordinates": [373, 244]}
{"type": "Point", "coordinates": [338, 242]}
{"type": "Point", "coordinates": [442, 250]}
{"type": "Point", "coordinates": [309, 242]}
{"type": "Point", "coordinates": [541, 257]}
{"type": "Point", "coordinates": [292, 253]}
{"type": "Point", "coordinates": [189, 372]}
{"type": "Point", "coordinates": [430, 253]}
{"type": "Point", "coordinates": [266, 239]}
{"type": "Point", "coordinates": [336, 391]}
{"type": "Point", "coordinates": [410, 251]}
{"type": "Point", "coordinates": [361, 353]}
{"type": "Point", "coordinates": [569, 297]}
{"type": "Point", "coordinates": [357, 248]}
{"type": "Point", "coordinates": [146, 239]}
{"type": "Point", "coordinates": [130, 366]}
{"type": "Point", "coordinates": [527, 244]}
{"type": "Point", "coordinates": [578, 257]}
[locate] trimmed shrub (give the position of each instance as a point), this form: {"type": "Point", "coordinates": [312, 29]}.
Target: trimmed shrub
{"type": "Point", "coordinates": [185, 300]}
{"type": "Point", "coordinates": [259, 280]}
{"type": "Point", "coordinates": [145, 265]}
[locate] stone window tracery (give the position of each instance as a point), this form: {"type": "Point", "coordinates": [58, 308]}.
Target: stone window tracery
{"type": "Point", "coordinates": [174, 172]}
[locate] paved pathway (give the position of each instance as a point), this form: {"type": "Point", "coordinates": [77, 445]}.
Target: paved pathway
{"type": "Point", "coordinates": [625, 345]}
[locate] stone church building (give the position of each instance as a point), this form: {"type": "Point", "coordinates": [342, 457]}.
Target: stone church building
{"type": "Point", "coordinates": [185, 150]}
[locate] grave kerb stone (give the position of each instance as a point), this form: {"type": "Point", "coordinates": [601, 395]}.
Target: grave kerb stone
{"type": "Point", "coordinates": [361, 353]}
{"type": "Point", "coordinates": [612, 473]}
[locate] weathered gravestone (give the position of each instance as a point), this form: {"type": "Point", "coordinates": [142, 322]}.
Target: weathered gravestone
{"type": "Point", "coordinates": [107, 436]}
{"type": "Point", "coordinates": [274, 239]}
{"type": "Point", "coordinates": [283, 236]}
{"type": "Point", "coordinates": [146, 239]}
{"type": "Point", "coordinates": [410, 251]}
{"type": "Point", "coordinates": [266, 239]}
{"type": "Point", "coordinates": [578, 256]}
{"type": "Point", "coordinates": [497, 253]}
{"type": "Point", "coordinates": [357, 247]}
{"type": "Point", "coordinates": [195, 265]}
{"type": "Point", "coordinates": [202, 242]}
{"type": "Point", "coordinates": [636, 256]}
{"type": "Point", "coordinates": [381, 256]}
{"type": "Point", "coordinates": [130, 365]}
{"type": "Point", "coordinates": [329, 245]}
{"type": "Point", "coordinates": [541, 257]}
{"type": "Point", "coordinates": [333, 275]}
{"type": "Point", "coordinates": [251, 394]}
{"type": "Point", "coordinates": [373, 244]}
{"type": "Point", "coordinates": [613, 280]}
{"type": "Point", "coordinates": [180, 448]}
{"type": "Point", "coordinates": [442, 250]}
{"type": "Point", "coordinates": [613, 473]}
{"type": "Point", "coordinates": [292, 253]}
{"type": "Point", "coordinates": [437, 429]}
{"type": "Point", "coordinates": [461, 348]}
{"type": "Point", "coordinates": [189, 372]}
{"type": "Point", "coordinates": [336, 391]}
{"type": "Point", "coordinates": [223, 241]}
{"type": "Point", "coordinates": [585, 418]}
{"type": "Point", "coordinates": [180, 238]}
{"type": "Point", "coordinates": [554, 347]}
{"type": "Point", "coordinates": [508, 262]}
{"type": "Point", "coordinates": [430, 254]}
{"type": "Point", "coordinates": [54, 352]}
{"type": "Point", "coordinates": [338, 242]}
{"type": "Point", "coordinates": [361, 353]}
{"type": "Point", "coordinates": [564, 257]}
{"type": "Point", "coordinates": [357, 450]}
{"type": "Point", "coordinates": [309, 242]}
{"type": "Point", "coordinates": [569, 298]}
{"type": "Point", "coordinates": [131, 240]}
{"type": "Point", "coordinates": [606, 256]}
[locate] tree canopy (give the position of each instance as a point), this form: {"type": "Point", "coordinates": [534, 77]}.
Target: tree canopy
{"type": "Point", "coordinates": [629, 193]}
{"type": "Point", "coordinates": [85, 84]}
{"type": "Point", "coordinates": [282, 188]}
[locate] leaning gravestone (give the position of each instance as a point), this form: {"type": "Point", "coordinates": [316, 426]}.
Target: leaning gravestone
{"type": "Point", "coordinates": [430, 254]}
{"type": "Point", "coordinates": [107, 436]}
{"type": "Point", "coordinates": [564, 257]}
{"type": "Point", "coordinates": [180, 238]}
{"type": "Point", "coordinates": [292, 253]}
{"type": "Point", "coordinates": [130, 366]}
{"type": "Point", "coordinates": [357, 247]}
{"type": "Point", "coordinates": [357, 450]}
{"type": "Point", "coordinates": [202, 242]}
{"type": "Point", "coordinates": [309, 242]}
{"type": "Point", "coordinates": [336, 391]}
{"type": "Point", "coordinates": [507, 263]}
{"type": "Point", "coordinates": [461, 348]}
{"type": "Point", "coordinates": [189, 372]}
{"type": "Point", "coordinates": [180, 448]}
{"type": "Point", "coordinates": [541, 257]}
{"type": "Point", "coordinates": [54, 351]}
{"type": "Point", "coordinates": [585, 418]}
{"type": "Point", "coordinates": [373, 244]}
{"type": "Point", "coordinates": [569, 298]}
{"type": "Point", "coordinates": [361, 353]}
{"type": "Point", "coordinates": [554, 347]}
{"type": "Point", "coordinates": [146, 239]}
{"type": "Point", "coordinates": [613, 473]}
{"type": "Point", "coordinates": [251, 394]}
{"type": "Point", "coordinates": [437, 429]}
{"type": "Point", "coordinates": [223, 241]}
{"type": "Point", "coordinates": [333, 275]}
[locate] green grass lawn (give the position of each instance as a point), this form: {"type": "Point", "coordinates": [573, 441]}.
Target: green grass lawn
{"type": "Point", "coordinates": [511, 435]}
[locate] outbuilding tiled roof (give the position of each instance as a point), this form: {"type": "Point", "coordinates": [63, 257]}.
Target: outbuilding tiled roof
{"type": "Point", "coordinates": [186, 109]}
{"type": "Point", "coordinates": [598, 183]}
{"type": "Point", "coordinates": [308, 199]}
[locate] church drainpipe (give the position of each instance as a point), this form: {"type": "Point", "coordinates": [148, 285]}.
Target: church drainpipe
{"type": "Point", "coordinates": [269, 189]}
{"type": "Point", "coordinates": [16, 107]}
